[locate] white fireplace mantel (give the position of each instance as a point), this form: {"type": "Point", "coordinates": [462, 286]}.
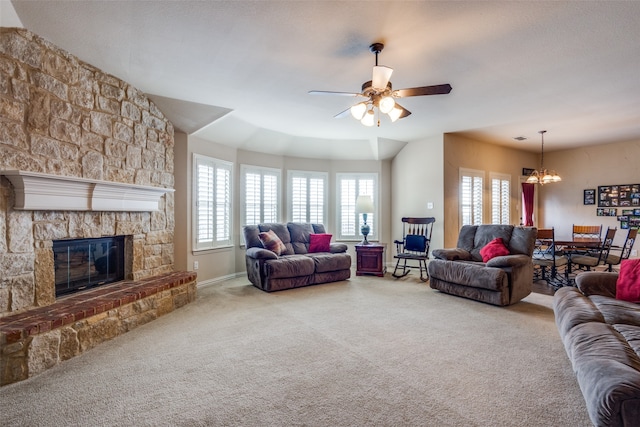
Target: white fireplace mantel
{"type": "Point", "coordinates": [41, 191]}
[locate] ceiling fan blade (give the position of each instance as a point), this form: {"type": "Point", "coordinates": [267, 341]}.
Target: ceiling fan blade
{"type": "Point", "coordinates": [404, 113]}
{"type": "Point", "coordinates": [326, 92]}
{"type": "Point", "coordinates": [381, 76]}
{"type": "Point", "coordinates": [343, 114]}
{"type": "Point", "coordinates": [424, 90]}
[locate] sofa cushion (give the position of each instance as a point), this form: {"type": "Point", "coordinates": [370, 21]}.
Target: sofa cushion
{"type": "Point", "coordinates": [319, 242]}
{"type": "Point", "coordinates": [469, 274]}
{"type": "Point", "coordinates": [572, 308]}
{"type": "Point", "coordinates": [486, 233]}
{"type": "Point", "coordinates": [607, 370]}
{"type": "Point", "coordinates": [617, 311]}
{"type": "Point", "coordinates": [289, 266]}
{"type": "Point", "coordinates": [494, 249]}
{"type": "Point", "coordinates": [628, 283]}
{"type": "Point", "coordinates": [522, 241]}
{"type": "Point", "coordinates": [466, 237]}
{"type": "Point", "coordinates": [299, 233]}
{"type": "Point", "coordinates": [272, 242]}
{"type": "Point", "coordinates": [325, 262]}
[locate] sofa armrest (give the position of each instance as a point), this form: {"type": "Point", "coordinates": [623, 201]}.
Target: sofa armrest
{"type": "Point", "coordinates": [337, 248]}
{"type": "Point", "coordinates": [597, 283]}
{"type": "Point", "coordinates": [261, 253]}
{"type": "Point", "coordinates": [509, 261]}
{"type": "Point", "coordinates": [454, 254]}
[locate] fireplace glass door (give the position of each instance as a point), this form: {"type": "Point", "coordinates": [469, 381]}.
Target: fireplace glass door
{"type": "Point", "coordinates": [85, 263]}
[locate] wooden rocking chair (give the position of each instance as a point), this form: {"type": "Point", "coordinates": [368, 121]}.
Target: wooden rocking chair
{"type": "Point", "coordinates": [414, 246]}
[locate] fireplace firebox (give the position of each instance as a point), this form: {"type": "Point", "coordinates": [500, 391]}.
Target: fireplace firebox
{"type": "Point", "coordinates": [85, 263]}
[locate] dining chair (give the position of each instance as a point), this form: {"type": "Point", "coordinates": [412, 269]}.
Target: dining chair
{"type": "Point", "coordinates": [585, 232]}
{"type": "Point", "coordinates": [546, 256]}
{"type": "Point", "coordinates": [595, 256]}
{"type": "Point", "coordinates": [588, 231]}
{"type": "Point", "coordinates": [625, 250]}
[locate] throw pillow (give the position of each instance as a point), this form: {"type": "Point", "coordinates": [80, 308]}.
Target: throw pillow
{"type": "Point", "coordinates": [271, 241]}
{"type": "Point", "coordinates": [493, 249]}
{"type": "Point", "coordinates": [628, 283]}
{"type": "Point", "coordinates": [319, 242]}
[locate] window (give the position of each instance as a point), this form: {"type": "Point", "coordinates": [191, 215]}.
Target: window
{"type": "Point", "coordinates": [307, 197]}
{"type": "Point", "coordinates": [260, 195]}
{"type": "Point", "coordinates": [471, 182]}
{"type": "Point", "coordinates": [212, 213]}
{"type": "Point", "coordinates": [500, 198]}
{"type": "Point", "coordinates": [350, 186]}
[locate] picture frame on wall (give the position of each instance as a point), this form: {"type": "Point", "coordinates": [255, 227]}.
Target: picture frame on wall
{"type": "Point", "coordinates": [589, 197]}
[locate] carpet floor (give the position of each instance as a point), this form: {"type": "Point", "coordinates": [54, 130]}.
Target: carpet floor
{"type": "Point", "coordinates": [368, 351]}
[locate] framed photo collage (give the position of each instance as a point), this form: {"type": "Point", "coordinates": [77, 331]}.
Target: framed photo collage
{"type": "Point", "coordinates": [621, 201]}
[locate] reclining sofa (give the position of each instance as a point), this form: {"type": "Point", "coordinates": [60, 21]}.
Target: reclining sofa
{"type": "Point", "coordinates": [295, 266]}
{"type": "Point", "coordinates": [601, 336]}
{"type": "Point", "coordinates": [502, 280]}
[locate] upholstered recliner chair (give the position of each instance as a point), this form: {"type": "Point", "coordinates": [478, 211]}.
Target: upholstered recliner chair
{"type": "Point", "coordinates": [502, 280]}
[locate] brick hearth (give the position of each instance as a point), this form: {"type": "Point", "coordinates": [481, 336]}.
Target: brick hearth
{"type": "Point", "coordinates": [38, 339]}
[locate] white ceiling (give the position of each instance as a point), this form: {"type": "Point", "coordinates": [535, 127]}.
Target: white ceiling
{"type": "Point", "coordinates": [238, 72]}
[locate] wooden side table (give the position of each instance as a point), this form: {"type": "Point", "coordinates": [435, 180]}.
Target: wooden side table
{"type": "Point", "coordinates": [371, 259]}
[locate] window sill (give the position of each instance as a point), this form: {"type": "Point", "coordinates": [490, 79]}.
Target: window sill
{"type": "Point", "coordinates": [217, 249]}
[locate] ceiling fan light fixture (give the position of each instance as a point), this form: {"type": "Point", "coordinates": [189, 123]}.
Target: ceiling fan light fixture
{"type": "Point", "coordinates": [395, 113]}
{"type": "Point", "coordinates": [380, 96]}
{"type": "Point", "coordinates": [358, 110]}
{"type": "Point", "coordinates": [386, 104]}
{"type": "Point", "coordinates": [369, 118]}
{"type": "Point", "coordinates": [381, 76]}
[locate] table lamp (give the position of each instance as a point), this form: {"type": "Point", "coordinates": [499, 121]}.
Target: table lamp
{"type": "Point", "coordinates": [364, 205]}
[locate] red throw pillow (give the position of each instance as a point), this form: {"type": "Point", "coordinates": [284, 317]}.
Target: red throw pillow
{"type": "Point", "coordinates": [493, 249]}
{"type": "Point", "coordinates": [271, 241]}
{"type": "Point", "coordinates": [319, 242]}
{"type": "Point", "coordinates": [628, 283]}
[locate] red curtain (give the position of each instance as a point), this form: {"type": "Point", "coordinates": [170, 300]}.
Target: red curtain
{"type": "Point", "coordinates": [527, 203]}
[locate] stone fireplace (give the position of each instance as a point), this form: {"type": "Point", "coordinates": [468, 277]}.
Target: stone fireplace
{"type": "Point", "coordinates": [83, 155]}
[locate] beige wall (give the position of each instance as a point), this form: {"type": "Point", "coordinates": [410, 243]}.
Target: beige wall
{"type": "Point", "coordinates": [583, 168]}
{"type": "Point", "coordinates": [460, 152]}
{"type": "Point", "coordinates": [416, 180]}
{"type": "Point", "coordinates": [222, 263]}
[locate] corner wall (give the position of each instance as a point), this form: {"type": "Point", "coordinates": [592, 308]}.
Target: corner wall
{"type": "Point", "coordinates": [417, 179]}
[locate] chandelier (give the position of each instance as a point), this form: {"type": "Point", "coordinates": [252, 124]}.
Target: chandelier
{"type": "Point", "coordinates": [542, 176]}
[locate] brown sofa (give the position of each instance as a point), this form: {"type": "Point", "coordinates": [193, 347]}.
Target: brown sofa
{"type": "Point", "coordinates": [501, 281]}
{"type": "Point", "coordinates": [602, 338]}
{"type": "Point", "coordinates": [295, 267]}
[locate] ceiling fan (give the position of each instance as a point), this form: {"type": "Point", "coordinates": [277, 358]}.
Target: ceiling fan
{"type": "Point", "coordinates": [380, 94]}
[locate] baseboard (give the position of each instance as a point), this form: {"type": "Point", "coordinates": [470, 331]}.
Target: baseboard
{"type": "Point", "coordinates": [220, 279]}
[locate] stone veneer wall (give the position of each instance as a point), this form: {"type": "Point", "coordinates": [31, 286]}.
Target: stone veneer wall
{"type": "Point", "coordinates": [61, 116]}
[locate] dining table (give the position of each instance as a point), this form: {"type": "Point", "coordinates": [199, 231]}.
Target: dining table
{"type": "Point", "coordinates": [576, 244]}
{"type": "Point", "coordinates": [579, 242]}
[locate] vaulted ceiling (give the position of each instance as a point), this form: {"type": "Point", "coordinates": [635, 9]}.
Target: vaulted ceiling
{"type": "Point", "coordinates": [239, 72]}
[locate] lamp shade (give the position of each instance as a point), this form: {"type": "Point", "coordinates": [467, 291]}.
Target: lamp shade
{"type": "Point", "coordinates": [358, 110]}
{"type": "Point", "coordinates": [364, 204]}
{"type": "Point", "coordinates": [394, 114]}
{"type": "Point", "coordinates": [368, 119]}
{"type": "Point", "coordinates": [386, 104]}
{"type": "Point", "coordinates": [381, 76]}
